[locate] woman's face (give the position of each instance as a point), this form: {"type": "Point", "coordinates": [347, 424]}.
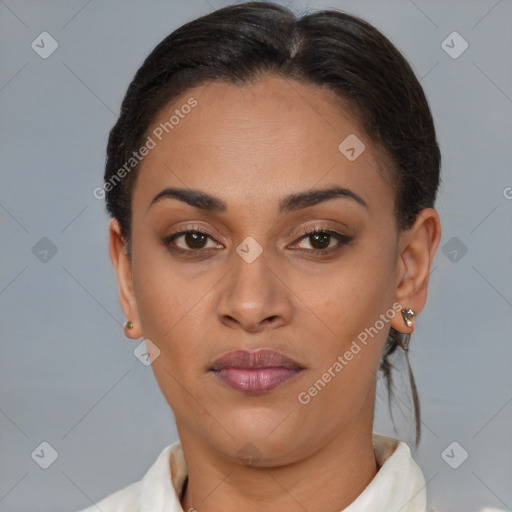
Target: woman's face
{"type": "Point", "coordinates": [255, 280]}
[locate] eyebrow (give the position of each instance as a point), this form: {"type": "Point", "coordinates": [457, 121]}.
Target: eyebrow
{"type": "Point", "coordinates": [293, 202]}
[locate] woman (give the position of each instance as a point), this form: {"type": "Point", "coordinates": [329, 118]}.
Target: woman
{"type": "Point", "coordinates": [271, 182]}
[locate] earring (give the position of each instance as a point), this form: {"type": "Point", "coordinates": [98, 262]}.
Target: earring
{"type": "Point", "coordinates": [128, 324]}
{"type": "Point", "coordinates": [405, 342]}
{"type": "Point", "coordinates": [408, 313]}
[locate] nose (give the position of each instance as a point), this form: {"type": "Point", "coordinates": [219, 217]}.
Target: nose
{"type": "Point", "coordinates": [253, 297]}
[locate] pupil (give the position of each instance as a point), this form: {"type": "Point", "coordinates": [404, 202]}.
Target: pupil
{"type": "Point", "coordinates": [323, 237]}
{"type": "Point", "coordinates": [195, 238]}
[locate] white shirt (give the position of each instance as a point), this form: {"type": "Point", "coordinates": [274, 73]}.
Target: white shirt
{"type": "Point", "coordinates": [398, 485]}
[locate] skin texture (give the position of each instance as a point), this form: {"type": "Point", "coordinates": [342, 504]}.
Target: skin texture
{"type": "Point", "coordinates": [251, 146]}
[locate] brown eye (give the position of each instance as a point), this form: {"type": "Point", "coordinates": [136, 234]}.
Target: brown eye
{"type": "Point", "coordinates": [195, 240]}
{"type": "Point", "coordinates": [189, 241]}
{"type": "Point", "coordinates": [322, 241]}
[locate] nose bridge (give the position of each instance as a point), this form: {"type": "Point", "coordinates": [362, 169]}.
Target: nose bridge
{"type": "Point", "coordinates": [252, 293]}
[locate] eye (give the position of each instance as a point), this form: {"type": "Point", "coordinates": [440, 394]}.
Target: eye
{"type": "Point", "coordinates": [324, 241]}
{"type": "Point", "coordinates": [194, 240]}
{"type": "Point", "coordinates": [190, 240]}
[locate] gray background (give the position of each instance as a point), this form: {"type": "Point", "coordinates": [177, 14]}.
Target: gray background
{"type": "Point", "coordinates": [67, 374]}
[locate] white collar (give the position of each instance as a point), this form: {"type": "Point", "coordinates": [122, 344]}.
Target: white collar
{"type": "Point", "coordinates": [399, 485]}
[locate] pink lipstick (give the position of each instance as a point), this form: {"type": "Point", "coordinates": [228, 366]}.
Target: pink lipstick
{"type": "Point", "coordinates": [254, 371]}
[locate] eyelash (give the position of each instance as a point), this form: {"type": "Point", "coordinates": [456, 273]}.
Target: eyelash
{"type": "Point", "coordinates": [342, 239]}
{"type": "Point", "coordinates": [305, 233]}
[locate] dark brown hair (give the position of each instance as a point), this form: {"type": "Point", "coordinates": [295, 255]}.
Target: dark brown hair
{"type": "Point", "coordinates": [331, 49]}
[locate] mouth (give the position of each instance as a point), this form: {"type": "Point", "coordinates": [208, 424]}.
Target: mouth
{"type": "Point", "coordinates": [255, 371]}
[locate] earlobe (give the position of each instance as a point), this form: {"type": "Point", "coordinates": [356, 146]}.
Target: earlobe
{"type": "Point", "coordinates": [122, 266]}
{"type": "Point", "coordinates": [417, 248]}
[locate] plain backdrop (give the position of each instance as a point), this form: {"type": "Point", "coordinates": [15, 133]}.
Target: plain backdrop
{"type": "Point", "coordinates": [69, 377]}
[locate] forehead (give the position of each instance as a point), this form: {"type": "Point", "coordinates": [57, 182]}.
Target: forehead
{"type": "Point", "coordinates": [260, 141]}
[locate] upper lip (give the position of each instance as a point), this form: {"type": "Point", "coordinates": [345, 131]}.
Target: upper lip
{"type": "Point", "coordinates": [262, 358]}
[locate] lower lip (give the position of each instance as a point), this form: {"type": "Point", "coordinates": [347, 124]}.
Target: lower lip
{"type": "Point", "coordinates": [255, 380]}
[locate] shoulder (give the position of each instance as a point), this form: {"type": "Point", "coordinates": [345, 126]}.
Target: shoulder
{"type": "Point", "coordinates": [148, 493]}
{"type": "Point", "coordinates": [485, 509]}
{"type": "Point", "coordinates": [394, 457]}
{"type": "Point", "coordinates": [124, 500]}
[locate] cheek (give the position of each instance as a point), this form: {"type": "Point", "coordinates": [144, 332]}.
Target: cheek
{"type": "Point", "coordinates": [352, 305]}
{"type": "Point", "coordinates": [352, 294]}
{"type": "Point", "coordinates": [171, 311]}
{"type": "Point", "coordinates": [165, 303]}
{"type": "Point", "coordinates": [162, 296]}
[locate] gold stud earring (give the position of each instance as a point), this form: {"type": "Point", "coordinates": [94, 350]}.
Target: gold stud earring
{"type": "Point", "coordinates": [128, 324]}
{"type": "Point", "coordinates": [407, 314]}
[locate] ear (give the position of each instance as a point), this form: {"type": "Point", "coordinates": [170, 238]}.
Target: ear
{"type": "Point", "coordinates": [416, 251]}
{"type": "Point", "coordinates": [123, 268]}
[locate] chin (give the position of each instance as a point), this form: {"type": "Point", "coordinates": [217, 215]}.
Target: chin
{"type": "Point", "coordinates": [266, 437]}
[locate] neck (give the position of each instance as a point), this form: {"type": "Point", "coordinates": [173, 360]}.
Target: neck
{"type": "Point", "coordinates": [329, 480]}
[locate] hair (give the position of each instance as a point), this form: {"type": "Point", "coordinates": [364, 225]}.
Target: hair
{"type": "Point", "coordinates": [328, 48]}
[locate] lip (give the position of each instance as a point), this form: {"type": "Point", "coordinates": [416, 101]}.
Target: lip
{"type": "Point", "coordinates": [255, 371]}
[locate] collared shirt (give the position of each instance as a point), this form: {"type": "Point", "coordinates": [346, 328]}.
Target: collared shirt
{"type": "Point", "coordinates": [399, 484]}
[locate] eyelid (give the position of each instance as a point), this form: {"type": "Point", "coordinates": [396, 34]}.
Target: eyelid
{"type": "Point", "coordinates": [302, 231]}
{"type": "Point", "coordinates": [196, 228]}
